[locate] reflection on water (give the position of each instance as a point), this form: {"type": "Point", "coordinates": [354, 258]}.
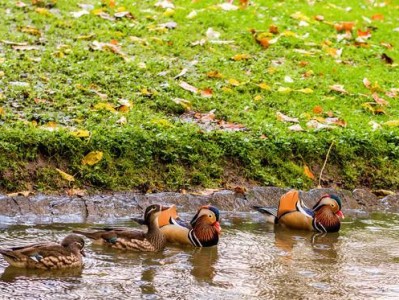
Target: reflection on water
{"type": "Point", "coordinates": [254, 260]}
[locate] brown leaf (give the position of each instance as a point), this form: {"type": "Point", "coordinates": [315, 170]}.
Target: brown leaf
{"type": "Point", "coordinates": [208, 92]}
{"type": "Point", "coordinates": [387, 59]}
{"type": "Point", "coordinates": [344, 26]}
{"type": "Point", "coordinates": [338, 88]}
{"type": "Point", "coordinates": [273, 29]}
{"type": "Point", "coordinates": [317, 109]}
{"type": "Point", "coordinates": [377, 17]}
{"type": "Point", "coordinates": [379, 100]}
{"type": "Point", "coordinates": [214, 74]}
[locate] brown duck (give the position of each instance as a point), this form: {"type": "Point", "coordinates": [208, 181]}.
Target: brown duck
{"type": "Point", "coordinates": [47, 256]}
{"type": "Point", "coordinates": [203, 230]}
{"type": "Point", "coordinates": [130, 239]}
{"type": "Point", "coordinates": [292, 213]}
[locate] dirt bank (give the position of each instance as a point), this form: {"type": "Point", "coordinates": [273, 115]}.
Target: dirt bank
{"type": "Point", "coordinates": [95, 208]}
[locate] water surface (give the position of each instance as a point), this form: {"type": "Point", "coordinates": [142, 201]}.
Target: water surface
{"type": "Point", "coordinates": [253, 260]}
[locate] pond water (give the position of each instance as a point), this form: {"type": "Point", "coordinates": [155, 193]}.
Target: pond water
{"type": "Point", "coordinates": [253, 260]}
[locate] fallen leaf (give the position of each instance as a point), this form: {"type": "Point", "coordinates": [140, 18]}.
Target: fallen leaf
{"type": "Point", "coordinates": [377, 17]}
{"type": "Point", "coordinates": [164, 4]}
{"type": "Point", "coordinates": [76, 192]}
{"type": "Point", "coordinates": [314, 124]}
{"type": "Point", "coordinates": [78, 14]}
{"type": "Point", "coordinates": [186, 104]}
{"type": "Point", "coordinates": [387, 59]}
{"type": "Point", "coordinates": [212, 34]}
{"type": "Point", "coordinates": [264, 86]}
{"type": "Point", "coordinates": [284, 90]}
{"type": "Point", "coordinates": [344, 26]}
{"type": "Point", "coordinates": [317, 109]}
{"type": "Point", "coordinates": [188, 87]}
{"type": "Point", "coordinates": [208, 92]}
{"type": "Point", "coordinates": [233, 82]}
{"type": "Point", "coordinates": [26, 47]}
{"type": "Point", "coordinates": [308, 172]}
{"type": "Point", "coordinates": [81, 133]}
{"type": "Point", "coordinates": [335, 121]}
{"type": "Point", "coordinates": [227, 6]}
{"type": "Point", "coordinates": [305, 91]}
{"type": "Point", "coordinates": [92, 158]}
{"type": "Point", "coordinates": [30, 30]}
{"type": "Point", "coordinates": [273, 29]}
{"type": "Point", "coordinates": [214, 74]}
{"type": "Point", "coordinates": [65, 176]}
{"type": "Point", "coordinates": [182, 73]}
{"type": "Point", "coordinates": [338, 88]}
{"type": "Point", "coordinates": [104, 106]}
{"type": "Point", "coordinates": [367, 83]}
{"type": "Point", "coordinates": [284, 118]}
{"type": "Point", "coordinates": [379, 100]}
{"type": "Point", "coordinates": [392, 123]}
{"type": "Point", "coordinates": [22, 193]}
{"type": "Point", "coordinates": [296, 128]}
{"type": "Point", "coordinates": [239, 57]}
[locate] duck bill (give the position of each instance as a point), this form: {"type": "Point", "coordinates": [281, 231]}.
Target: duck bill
{"type": "Point", "coordinates": [217, 226]}
{"type": "Point", "coordinates": [340, 214]}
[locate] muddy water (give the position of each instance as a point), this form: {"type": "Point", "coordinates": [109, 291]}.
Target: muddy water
{"type": "Point", "coordinates": [252, 261]}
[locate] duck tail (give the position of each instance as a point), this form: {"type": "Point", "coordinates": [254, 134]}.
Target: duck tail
{"type": "Point", "coordinates": [270, 212]}
{"type": "Point", "coordinates": [8, 253]}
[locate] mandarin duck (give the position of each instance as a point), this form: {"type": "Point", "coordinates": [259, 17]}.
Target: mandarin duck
{"type": "Point", "coordinates": [203, 230]}
{"type": "Point", "coordinates": [47, 256]}
{"type": "Point", "coordinates": [129, 239]}
{"type": "Point", "coordinates": [292, 213]}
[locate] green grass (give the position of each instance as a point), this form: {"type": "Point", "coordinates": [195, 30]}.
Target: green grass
{"type": "Point", "coordinates": [70, 86]}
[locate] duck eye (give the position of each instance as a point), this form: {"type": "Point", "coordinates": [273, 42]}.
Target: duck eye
{"type": "Point", "coordinates": [210, 216]}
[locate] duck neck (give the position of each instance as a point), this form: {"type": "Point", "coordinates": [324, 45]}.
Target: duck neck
{"type": "Point", "coordinates": [326, 221]}
{"type": "Point", "coordinates": [154, 235]}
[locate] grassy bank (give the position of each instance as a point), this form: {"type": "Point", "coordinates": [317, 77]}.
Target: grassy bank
{"type": "Point", "coordinates": [185, 95]}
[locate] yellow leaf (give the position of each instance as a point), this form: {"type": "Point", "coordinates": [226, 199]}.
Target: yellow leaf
{"type": "Point", "coordinates": [43, 11]}
{"type": "Point", "coordinates": [306, 91]}
{"type": "Point", "coordinates": [92, 158]}
{"type": "Point", "coordinates": [392, 123]}
{"type": "Point", "coordinates": [104, 106]}
{"type": "Point", "coordinates": [186, 104]}
{"type": "Point", "coordinates": [238, 57]}
{"type": "Point", "coordinates": [264, 86]}
{"type": "Point", "coordinates": [234, 82]}
{"type": "Point", "coordinates": [308, 172]}
{"type": "Point", "coordinates": [81, 133]}
{"type": "Point", "coordinates": [258, 98]}
{"type": "Point", "coordinates": [214, 74]}
{"type": "Point", "coordinates": [284, 90]}
{"type": "Point", "coordinates": [288, 33]}
{"type": "Point", "coordinates": [66, 176]}
{"type": "Point", "coordinates": [2, 111]}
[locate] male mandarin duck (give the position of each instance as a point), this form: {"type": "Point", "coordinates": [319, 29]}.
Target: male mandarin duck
{"type": "Point", "coordinates": [47, 256]}
{"type": "Point", "coordinates": [293, 213]}
{"type": "Point", "coordinates": [130, 239]}
{"type": "Point", "coordinates": [203, 230]}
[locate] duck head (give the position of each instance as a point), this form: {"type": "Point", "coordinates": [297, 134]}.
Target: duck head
{"type": "Point", "coordinates": [75, 243]}
{"type": "Point", "coordinates": [207, 215]}
{"type": "Point", "coordinates": [328, 212]}
{"type": "Point", "coordinates": [152, 213]}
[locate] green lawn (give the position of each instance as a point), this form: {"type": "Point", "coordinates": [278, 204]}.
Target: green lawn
{"type": "Point", "coordinates": [204, 94]}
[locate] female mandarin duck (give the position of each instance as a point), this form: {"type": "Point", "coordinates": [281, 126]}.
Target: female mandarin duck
{"type": "Point", "coordinates": [47, 256]}
{"type": "Point", "coordinates": [293, 213]}
{"type": "Point", "coordinates": [130, 239]}
{"type": "Point", "coordinates": [203, 230]}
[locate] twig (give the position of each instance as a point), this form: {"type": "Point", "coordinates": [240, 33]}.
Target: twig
{"type": "Point", "coordinates": [325, 162]}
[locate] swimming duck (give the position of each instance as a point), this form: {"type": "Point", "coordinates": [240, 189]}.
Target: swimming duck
{"type": "Point", "coordinates": [130, 239]}
{"type": "Point", "coordinates": [47, 256]}
{"type": "Point", "coordinates": [292, 213]}
{"type": "Point", "coordinates": [203, 230]}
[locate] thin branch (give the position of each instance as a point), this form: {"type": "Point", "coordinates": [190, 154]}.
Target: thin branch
{"type": "Point", "coordinates": [325, 162]}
